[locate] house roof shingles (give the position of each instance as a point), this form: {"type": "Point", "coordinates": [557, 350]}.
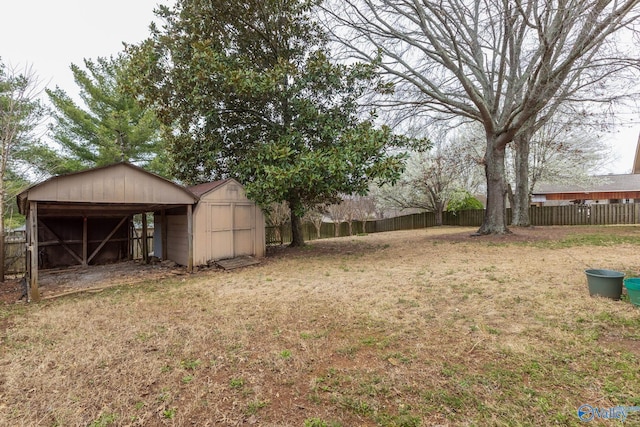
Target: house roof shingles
{"type": "Point", "coordinates": [204, 188]}
{"type": "Point", "coordinates": [600, 183]}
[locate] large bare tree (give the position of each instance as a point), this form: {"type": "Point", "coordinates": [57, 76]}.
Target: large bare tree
{"type": "Point", "coordinates": [501, 63]}
{"type": "Point", "coordinates": [20, 114]}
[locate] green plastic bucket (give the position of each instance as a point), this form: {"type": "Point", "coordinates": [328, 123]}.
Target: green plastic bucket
{"type": "Point", "coordinates": [605, 283]}
{"type": "Point", "coordinates": [633, 290]}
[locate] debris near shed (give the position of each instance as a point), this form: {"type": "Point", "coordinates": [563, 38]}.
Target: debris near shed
{"type": "Point", "coordinates": [237, 262]}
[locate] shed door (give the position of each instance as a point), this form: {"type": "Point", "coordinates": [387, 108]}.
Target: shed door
{"type": "Point", "coordinates": [244, 229]}
{"type": "Point", "coordinates": [220, 231]}
{"type": "Point", "coordinates": [230, 230]}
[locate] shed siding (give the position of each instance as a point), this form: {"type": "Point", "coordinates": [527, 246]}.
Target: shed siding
{"type": "Point", "coordinates": [177, 242]}
{"type": "Point", "coordinates": [117, 184]}
{"type": "Point", "coordinates": [227, 225]}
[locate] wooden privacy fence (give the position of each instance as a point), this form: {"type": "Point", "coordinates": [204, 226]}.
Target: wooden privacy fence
{"type": "Point", "coordinates": [608, 214]}
{"type": "Point", "coordinates": [595, 214]}
{"type": "Point", "coordinates": [15, 255]}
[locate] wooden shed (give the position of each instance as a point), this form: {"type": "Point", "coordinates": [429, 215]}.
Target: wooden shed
{"type": "Point", "coordinates": [226, 224]}
{"type": "Point", "coordinates": [85, 218]}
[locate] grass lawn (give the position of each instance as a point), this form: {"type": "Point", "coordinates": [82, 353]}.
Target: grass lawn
{"type": "Point", "coordinates": [414, 328]}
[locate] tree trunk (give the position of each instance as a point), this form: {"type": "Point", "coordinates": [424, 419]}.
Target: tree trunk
{"type": "Point", "coordinates": [2, 252]}
{"type": "Point", "coordinates": [438, 214]}
{"type": "Point", "coordinates": [510, 197]}
{"type": "Point", "coordinates": [495, 218]}
{"type": "Point", "coordinates": [2, 196]}
{"type": "Point", "coordinates": [520, 208]}
{"type": "Point", "coordinates": [297, 239]}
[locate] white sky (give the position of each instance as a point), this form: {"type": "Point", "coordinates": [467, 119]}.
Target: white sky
{"type": "Point", "coordinates": [50, 35]}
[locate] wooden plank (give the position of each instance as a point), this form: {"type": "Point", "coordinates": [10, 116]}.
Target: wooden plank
{"type": "Point", "coordinates": [106, 239]}
{"type": "Point", "coordinates": [238, 262]}
{"type": "Point", "coordinates": [33, 293]}
{"type": "Point", "coordinates": [190, 238]}
{"type": "Point", "coordinates": [85, 243]}
{"type": "Point", "coordinates": [163, 218]}
{"type": "Point", "coordinates": [145, 243]}
{"type": "Point", "coordinates": [64, 245]}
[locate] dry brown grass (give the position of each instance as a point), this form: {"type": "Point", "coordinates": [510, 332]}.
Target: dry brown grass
{"type": "Point", "coordinates": [426, 327]}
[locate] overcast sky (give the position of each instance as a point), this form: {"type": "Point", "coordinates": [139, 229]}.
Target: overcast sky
{"type": "Point", "coordinates": [50, 35]}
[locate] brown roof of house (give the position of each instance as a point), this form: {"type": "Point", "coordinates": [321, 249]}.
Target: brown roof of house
{"type": "Point", "coordinates": [205, 187]}
{"type": "Point", "coordinates": [600, 183]}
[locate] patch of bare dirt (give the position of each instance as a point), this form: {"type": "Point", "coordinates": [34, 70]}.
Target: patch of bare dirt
{"type": "Point", "coordinates": [63, 281]}
{"type": "Point", "coordinates": [516, 234]}
{"type": "Point", "coordinates": [10, 291]}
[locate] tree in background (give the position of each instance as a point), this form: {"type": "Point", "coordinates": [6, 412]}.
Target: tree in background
{"type": "Point", "coordinates": [503, 64]}
{"type": "Point", "coordinates": [364, 209]}
{"type": "Point", "coordinates": [278, 215]}
{"type": "Point", "coordinates": [567, 148]}
{"type": "Point", "coordinates": [337, 212]}
{"type": "Point", "coordinates": [246, 89]}
{"type": "Point", "coordinates": [432, 177]}
{"type": "Point", "coordinates": [110, 127]}
{"type": "Point", "coordinates": [315, 215]}
{"type": "Point", "coordinates": [462, 200]}
{"type": "Point", "coordinates": [20, 115]}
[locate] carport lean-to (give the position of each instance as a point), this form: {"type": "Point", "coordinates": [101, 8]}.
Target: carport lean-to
{"type": "Point", "coordinates": [84, 218]}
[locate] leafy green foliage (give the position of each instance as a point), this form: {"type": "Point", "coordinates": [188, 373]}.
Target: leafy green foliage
{"type": "Point", "coordinates": [110, 127]}
{"type": "Point", "coordinates": [462, 200]}
{"type": "Point", "coordinates": [247, 89]}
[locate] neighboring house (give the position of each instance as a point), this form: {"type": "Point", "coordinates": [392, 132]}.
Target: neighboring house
{"type": "Point", "coordinates": [601, 189]}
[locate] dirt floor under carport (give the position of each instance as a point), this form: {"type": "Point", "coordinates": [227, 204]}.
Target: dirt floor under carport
{"type": "Point", "coordinates": [65, 281]}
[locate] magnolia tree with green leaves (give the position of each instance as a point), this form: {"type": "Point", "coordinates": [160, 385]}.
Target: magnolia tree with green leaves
{"type": "Point", "coordinates": [110, 126]}
{"type": "Point", "coordinates": [247, 89]}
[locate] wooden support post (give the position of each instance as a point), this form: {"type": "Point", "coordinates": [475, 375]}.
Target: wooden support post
{"type": "Point", "coordinates": [33, 293]}
{"type": "Point", "coordinates": [145, 243]}
{"type": "Point", "coordinates": [190, 237]}
{"type": "Point", "coordinates": [130, 238]}
{"type": "Point", "coordinates": [165, 237]}
{"type": "Point", "coordinates": [85, 242]}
